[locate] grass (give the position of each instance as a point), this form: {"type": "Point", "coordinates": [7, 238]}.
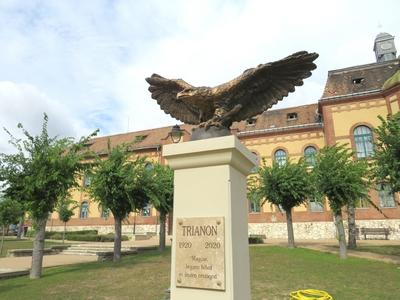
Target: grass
{"type": "Point", "coordinates": [383, 249]}
{"type": "Point", "coordinates": [275, 272]}
{"type": "Point", "coordinates": [12, 243]}
{"type": "Point", "coordinates": [139, 277]}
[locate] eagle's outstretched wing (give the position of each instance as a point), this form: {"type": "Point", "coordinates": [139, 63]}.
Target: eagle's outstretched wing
{"type": "Point", "coordinates": [165, 90]}
{"type": "Point", "coordinates": [259, 88]}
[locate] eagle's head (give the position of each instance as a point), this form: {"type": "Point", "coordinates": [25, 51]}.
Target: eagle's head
{"type": "Point", "coordinates": [187, 93]}
{"type": "Point", "coordinates": [194, 94]}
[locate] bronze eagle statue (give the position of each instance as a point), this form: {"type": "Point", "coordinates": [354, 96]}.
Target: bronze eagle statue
{"type": "Point", "coordinates": [245, 96]}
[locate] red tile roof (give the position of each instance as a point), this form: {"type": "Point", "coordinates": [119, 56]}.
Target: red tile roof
{"type": "Point", "coordinates": [359, 79]}
{"type": "Point", "coordinates": [154, 138]}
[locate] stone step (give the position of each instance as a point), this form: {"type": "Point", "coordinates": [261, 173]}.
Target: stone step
{"type": "Point", "coordinates": [111, 245]}
{"type": "Point", "coordinates": [68, 252]}
{"type": "Point", "coordinates": [100, 248]}
{"type": "Point", "coordinates": [97, 253]}
{"type": "Point", "coordinates": [94, 251]}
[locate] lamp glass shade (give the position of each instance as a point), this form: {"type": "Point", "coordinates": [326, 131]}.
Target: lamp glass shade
{"type": "Point", "coordinates": [176, 134]}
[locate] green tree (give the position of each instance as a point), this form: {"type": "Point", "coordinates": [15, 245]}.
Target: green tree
{"type": "Point", "coordinates": [10, 213]}
{"type": "Point", "coordinates": [120, 184]}
{"type": "Point", "coordinates": [41, 172]}
{"type": "Point", "coordinates": [286, 186]}
{"type": "Point", "coordinates": [65, 209]}
{"type": "Point", "coordinates": [387, 152]}
{"type": "Point", "coordinates": [162, 195]}
{"type": "Point", "coordinates": [343, 181]}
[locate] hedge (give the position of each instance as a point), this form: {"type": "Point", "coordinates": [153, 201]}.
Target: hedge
{"type": "Point", "coordinates": [49, 234]}
{"type": "Point", "coordinates": [255, 240]}
{"type": "Point", "coordinates": [83, 235]}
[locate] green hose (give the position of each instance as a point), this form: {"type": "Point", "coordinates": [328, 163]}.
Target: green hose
{"type": "Point", "coordinates": [310, 295]}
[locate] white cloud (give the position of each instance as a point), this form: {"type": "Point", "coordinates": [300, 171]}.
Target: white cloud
{"type": "Point", "coordinates": [25, 104]}
{"type": "Point", "coordinates": [85, 61]}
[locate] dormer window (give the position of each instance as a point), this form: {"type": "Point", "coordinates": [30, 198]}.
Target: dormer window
{"type": "Point", "coordinates": [139, 138]}
{"type": "Point", "coordinates": [251, 122]}
{"type": "Point", "coordinates": [291, 116]}
{"type": "Point", "coordinates": [358, 80]}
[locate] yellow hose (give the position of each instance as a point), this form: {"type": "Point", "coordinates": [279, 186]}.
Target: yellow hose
{"type": "Point", "coordinates": [310, 295]}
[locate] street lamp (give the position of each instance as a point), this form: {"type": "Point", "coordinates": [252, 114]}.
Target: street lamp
{"type": "Point", "coordinates": [176, 134]}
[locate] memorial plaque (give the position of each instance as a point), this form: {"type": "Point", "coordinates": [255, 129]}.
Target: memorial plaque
{"type": "Point", "coordinates": [200, 253]}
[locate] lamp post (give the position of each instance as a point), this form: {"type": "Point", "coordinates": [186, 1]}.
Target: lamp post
{"type": "Point", "coordinates": [176, 134]}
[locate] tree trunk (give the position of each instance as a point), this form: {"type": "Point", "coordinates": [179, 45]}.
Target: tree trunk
{"type": "Point", "coordinates": [65, 229]}
{"type": "Point", "coordinates": [352, 243]}
{"type": "Point", "coordinates": [117, 239]}
{"type": "Point", "coordinates": [134, 224]}
{"type": "Point", "coordinates": [162, 232]}
{"type": "Point", "coordinates": [289, 223]}
{"type": "Point", "coordinates": [38, 247]}
{"type": "Point", "coordinates": [20, 228]}
{"type": "Point", "coordinates": [2, 239]}
{"type": "Point", "coordinates": [341, 234]}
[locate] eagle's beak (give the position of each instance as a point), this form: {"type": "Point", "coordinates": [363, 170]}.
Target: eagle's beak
{"type": "Point", "coordinates": [186, 93]}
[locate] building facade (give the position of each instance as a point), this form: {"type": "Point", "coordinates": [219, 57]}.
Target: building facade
{"type": "Point", "coordinates": [346, 113]}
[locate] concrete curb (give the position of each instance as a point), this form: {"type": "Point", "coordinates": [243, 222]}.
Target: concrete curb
{"type": "Point", "coordinates": [9, 273]}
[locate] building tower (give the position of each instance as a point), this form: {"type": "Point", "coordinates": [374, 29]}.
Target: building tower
{"type": "Point", "coordinates": [384, 47]}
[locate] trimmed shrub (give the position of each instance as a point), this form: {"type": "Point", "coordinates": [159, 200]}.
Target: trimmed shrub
{"type": "Point", "coordinates": [82, 235]}
{"type": "Point", "coordinates": [84, 232]}
{"type": "Point", "coordinates": [255, 240]}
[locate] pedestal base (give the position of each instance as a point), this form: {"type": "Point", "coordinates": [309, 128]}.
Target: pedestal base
{"type": "Point", "coordinates": [210, 186]}
{"type": "Point", "coordinates": [212, 132]}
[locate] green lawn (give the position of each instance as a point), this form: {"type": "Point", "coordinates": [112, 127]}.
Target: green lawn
{"type": "Point", "coordinates": [275, 271]}
{"type": "Point", "coordinates": [12, 243]}
{"type": "Point", "coordinates": [385, 249]}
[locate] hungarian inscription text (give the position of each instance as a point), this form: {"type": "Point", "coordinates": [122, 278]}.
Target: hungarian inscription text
{"type": "Point", "coordinates": [200, 253]}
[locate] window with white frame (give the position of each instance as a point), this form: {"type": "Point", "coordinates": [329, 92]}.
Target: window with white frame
{"type": "Point", "coordinates": [105, 213]}
{"type": "Point", "coordinates": [280, 157]}
{"type": "Point", "coordinates": [363, 141]}
{"type": "Point", "coordinates": [316, 206]}
{"type": "Point", "coordinates": [255, 168]}
{"type": "Point", "coordinates": [254, 207]}
{"type": "Point", "coordinates": [386, 196]}
{"type": "Point", "coordinates": [84, 213]}
{"type": "Point", "coordinates": [309, 154]}
{"type": "Point", "coordinates": [146, 211]}
{"type": "Point", "coordinates": [87, 180]}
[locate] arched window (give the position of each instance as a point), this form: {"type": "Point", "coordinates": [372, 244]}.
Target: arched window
{"type": "Point", "coordinates": [386, 196]}
{"type": "Point", "coordinates": [105, 213]}
{"type": "Point", "coordinates": [309, 154]}
{"type": "Point", "coordinates": [149, 166]}
{"type": "Point", "coordinates": [363, 141]}
{"type": "Point", "coordinates": [84, 210]}
{"type": "Point", "coordinates": [146, 211]}
{"type": "Point", "coordinates": [255, 168]}
{"type": "Point", "coordinates": [280, 157]}
{"type": "Point", "coordinates": [87, 180]}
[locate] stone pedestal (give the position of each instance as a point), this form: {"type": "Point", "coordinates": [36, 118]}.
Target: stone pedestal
{"type": "Point", "coordinates": [210, 255]}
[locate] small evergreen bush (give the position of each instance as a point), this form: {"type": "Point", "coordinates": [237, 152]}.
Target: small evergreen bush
{"type": "Point", "coordinates": [255, 240]}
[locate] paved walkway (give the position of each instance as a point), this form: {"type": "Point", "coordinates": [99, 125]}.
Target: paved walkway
{"type": "Point", "coordinates": [11, 264]}
{"type": "Point", "coordinates": [19, 264]}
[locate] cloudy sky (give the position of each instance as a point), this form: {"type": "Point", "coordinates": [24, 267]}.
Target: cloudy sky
{"type": "Point", "coordinates": [83, 62]}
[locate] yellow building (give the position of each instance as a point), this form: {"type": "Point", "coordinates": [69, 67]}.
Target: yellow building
{"type": "Point", "coordinates": [347, 112]}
